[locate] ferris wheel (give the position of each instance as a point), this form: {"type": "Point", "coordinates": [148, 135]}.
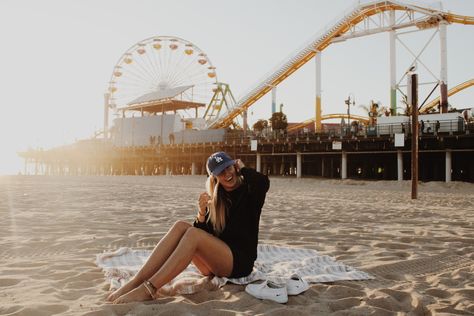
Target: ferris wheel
{"type": "Point", "coordinates": [158, 65]}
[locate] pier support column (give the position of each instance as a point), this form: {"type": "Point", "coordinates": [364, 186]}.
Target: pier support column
{"type": "Point", "coordinates": [322, 167]}
{"type": "Point", "coordinates": [443, 68]}
{"type": "Point", "coordinates": [275, 166]}
{"type": "Point", "coordinates": [448, 166]}
{"type": "Point", "coordinates": [193, 168]}
{"type": "Point", "coordinates": [298, 165]}
{"type": "Point", "coordinates": [282, 166]}
{"type": "Point", "coordinates": [259, 162]}
{"type": "Point", "coordinates": [167, 169]}
{"type": "Point", "coordinates": [400, 165]}
{"type": "Point", "coordinates": [344, 165]}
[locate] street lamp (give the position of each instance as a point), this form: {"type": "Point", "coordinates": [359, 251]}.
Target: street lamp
{"type": "Point", "coordinates": [349, 102]}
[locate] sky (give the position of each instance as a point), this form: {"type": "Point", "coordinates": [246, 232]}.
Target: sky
{"type": "Point", "coordinates": [57, 58]}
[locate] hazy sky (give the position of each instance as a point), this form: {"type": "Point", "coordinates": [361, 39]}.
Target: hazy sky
{"type": "Point", "coordinates": [57, 58]}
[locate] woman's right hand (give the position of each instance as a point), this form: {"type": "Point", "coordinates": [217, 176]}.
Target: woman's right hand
{"type": "Point", "coordinates": [204, 199]}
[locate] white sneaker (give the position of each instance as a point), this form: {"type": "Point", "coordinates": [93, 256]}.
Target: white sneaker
{"type": "Point", "coordinates": [268, 290]}
{"type": "Point", "coordinates": [296, 285]}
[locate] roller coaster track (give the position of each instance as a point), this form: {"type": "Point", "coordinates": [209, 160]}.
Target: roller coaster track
{"type": "Point", "coordinates": [451, 91]}
{"type": "Point", "coordinates": [347, 24]}
{"type": "Point", "coordinates": [328, 117]}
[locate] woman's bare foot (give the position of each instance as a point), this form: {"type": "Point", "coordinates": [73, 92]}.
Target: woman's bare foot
{"type": "Point", "coordinates": [138, 294]}
{"type": "Point", "coordinates": [122, 290]}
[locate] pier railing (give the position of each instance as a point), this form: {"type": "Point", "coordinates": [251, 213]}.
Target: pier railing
{"type": "Point", "coordinates": [98, 149]}
{"type": "Point", "coordinates": [430, 129]}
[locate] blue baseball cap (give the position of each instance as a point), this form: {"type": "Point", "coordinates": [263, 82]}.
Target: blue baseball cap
{"type": "Point", "coordinates": [217, 162]}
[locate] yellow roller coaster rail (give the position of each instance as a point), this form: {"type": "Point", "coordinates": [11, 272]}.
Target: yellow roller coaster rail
{"type": "Point", "coordinates": [347, 24]}
{"type": "Point", "coordinates": [359, 118]}
{"type": "Point", "coordinates": [451, 91]}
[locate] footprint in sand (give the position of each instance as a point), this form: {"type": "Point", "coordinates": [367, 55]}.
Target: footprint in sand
{"type": "Point", "coordinates": [438, 293]}
{"type": "Point", "coordinates": [341, 291]}
{"type": "Point", "coordinates": [9, 282]}
{"type": "Point", "coordinates": [344, 303]}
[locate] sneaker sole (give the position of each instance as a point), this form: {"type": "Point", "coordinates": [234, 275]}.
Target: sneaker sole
{"type": "Point", "coordinates": [281, 300]}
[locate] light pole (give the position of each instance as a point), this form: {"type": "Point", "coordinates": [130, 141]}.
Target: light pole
{"type": "Point", "coordinates": [349, 102]}
{"type": "Point", "coordinates": [412, 99]}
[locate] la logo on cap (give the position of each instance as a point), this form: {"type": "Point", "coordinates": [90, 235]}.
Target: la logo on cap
{"type": "Point", "coordinates": [218, 159]}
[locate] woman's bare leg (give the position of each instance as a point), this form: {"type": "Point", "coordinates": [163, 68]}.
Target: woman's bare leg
{"type": "Point", "coordinates": [201, 265]}
{"type": "Point", "coordinates": [213, 253]}
{"type": "Point", "coordinates": [157, 258]}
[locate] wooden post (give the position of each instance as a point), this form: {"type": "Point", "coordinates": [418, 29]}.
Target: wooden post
{"type": "Point", "coordinates": [412, 99]}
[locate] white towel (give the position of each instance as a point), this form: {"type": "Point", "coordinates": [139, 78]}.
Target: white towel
{"type": "Point", "coordinates": [273, 263]}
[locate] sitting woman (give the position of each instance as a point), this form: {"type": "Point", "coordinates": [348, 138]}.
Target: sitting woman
{"type": "Point", "coordinates": [222, 240]}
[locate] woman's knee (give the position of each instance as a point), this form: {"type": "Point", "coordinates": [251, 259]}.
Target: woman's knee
{"type": "Point", "coordinates": [181, 226]}
{"type": "Point", "coordinates": [193, 234]}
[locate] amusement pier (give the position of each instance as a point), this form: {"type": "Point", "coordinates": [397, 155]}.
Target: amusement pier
{"type": "Point", "coordinates": [170, 113]}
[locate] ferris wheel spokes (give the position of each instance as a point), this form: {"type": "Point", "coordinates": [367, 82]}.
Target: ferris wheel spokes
{"type": "Point", "coordinates": [162, 63]}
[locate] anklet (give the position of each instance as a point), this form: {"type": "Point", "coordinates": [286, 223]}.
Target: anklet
{"type": "Point", "coordinates": [150, 288]}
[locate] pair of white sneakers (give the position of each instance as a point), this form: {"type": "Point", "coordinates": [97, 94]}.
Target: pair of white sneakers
{"type": "Point", "coordinates": [269, 290]}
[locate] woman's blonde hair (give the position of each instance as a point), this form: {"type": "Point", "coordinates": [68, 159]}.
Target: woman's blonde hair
{"type": "Point", "coordinates": [218, 203]}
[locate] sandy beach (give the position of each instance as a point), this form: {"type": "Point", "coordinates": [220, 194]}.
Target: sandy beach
{"type": "Point", "coordinates": [420, 251]}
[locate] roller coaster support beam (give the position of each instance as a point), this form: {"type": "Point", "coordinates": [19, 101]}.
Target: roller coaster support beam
{"type": "Point", "coordinates": [444, 67]}
{"type": "Point", "coordinates": [317, 120]}
{"type": "Point", "coordinates": [393, 66]}
{"type": "Point", "coordinates": [274, 96]}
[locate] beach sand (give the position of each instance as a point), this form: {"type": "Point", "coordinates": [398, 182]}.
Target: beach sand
{"type": "Point", "coordinates": [420, 251]}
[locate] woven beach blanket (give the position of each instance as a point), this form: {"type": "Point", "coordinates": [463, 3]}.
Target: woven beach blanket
{"type": "Point", "coordinates": [273, 263]}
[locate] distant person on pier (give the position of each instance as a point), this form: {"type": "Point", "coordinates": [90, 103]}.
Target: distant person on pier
{"type": "Point", "coordinates": [223, 239]}
{"type": "Point", "coordinates": [428, 129]}
{"type": "Point", "coordinates": [422, 127]}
